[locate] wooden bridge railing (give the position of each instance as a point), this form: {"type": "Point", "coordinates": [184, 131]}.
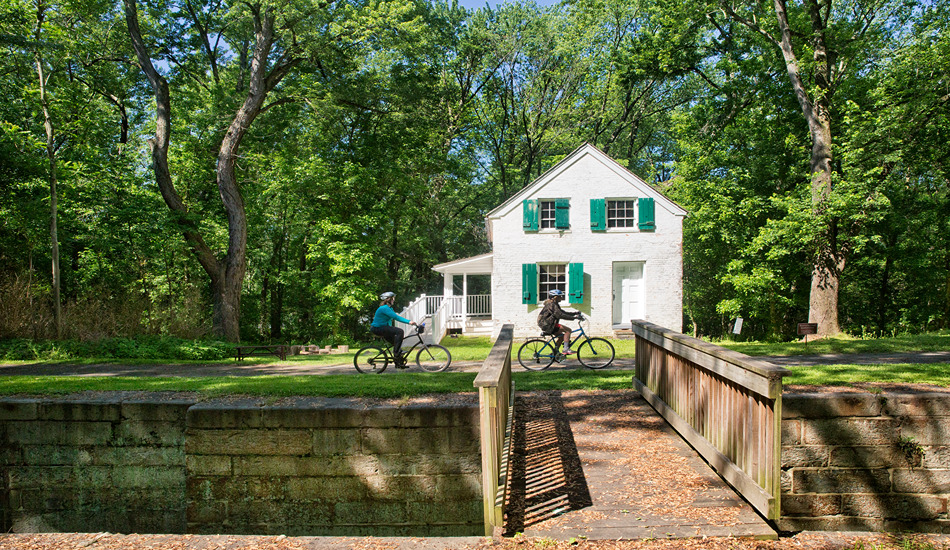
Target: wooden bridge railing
{"type": "Point", "coordinates": [727, 405]}
{"type": "Point", "coordinates": [496, 406]}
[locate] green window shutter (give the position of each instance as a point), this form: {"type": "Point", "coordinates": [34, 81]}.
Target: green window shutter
{"type": "Point", "coordinates": [598, 214]}
{"type": "Point", "coordinates": [562, 213]}
{"type": "Point", "coordinates": [576, 283]}
{"type": "Point", "coordinates": [530, 215]}
{"type": "Point", "coordinates": [647, 215]}
{"type": "Point", "coordinates": [529, 283]}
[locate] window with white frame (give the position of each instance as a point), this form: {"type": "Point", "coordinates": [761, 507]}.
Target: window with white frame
{"type": "Point", "coordinates": [537, 280]}
{"type": "Point", "coordinates": [551, 276]}
{"type": "Point", "coordinates": [548, 214]}
{"type": "Point", "coordinates": [620, 213]}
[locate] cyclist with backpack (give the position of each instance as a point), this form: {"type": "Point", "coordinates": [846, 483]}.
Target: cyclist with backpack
{"type": "Point", "coordinates": [551, 312]}
{"type": "Point", "coordinates": [382, 325]}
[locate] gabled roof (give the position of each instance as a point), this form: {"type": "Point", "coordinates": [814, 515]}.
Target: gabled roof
{"type": "Point", "coordinates": [643, 189]}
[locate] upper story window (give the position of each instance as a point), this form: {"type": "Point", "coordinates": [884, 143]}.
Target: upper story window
{"type": "Point", "coordinates": [547, 214]}
{"type": "Point", "coordinates": [623, 214]}
{"type": "Point", "coordinates": [620, 213]}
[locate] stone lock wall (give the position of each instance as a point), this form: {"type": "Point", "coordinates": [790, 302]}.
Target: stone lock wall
{"type": "Point", "coordinates": [302, 467]}
{"type": "Point", "coordinates": [95, 464]}
{"type": "Point", "coordinates": [865, 461]}
{"type": "Point", "coordinates": [342, 468]}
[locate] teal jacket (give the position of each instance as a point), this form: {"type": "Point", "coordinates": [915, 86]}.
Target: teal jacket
{"type": "Point", "coordinates": [385, 315]}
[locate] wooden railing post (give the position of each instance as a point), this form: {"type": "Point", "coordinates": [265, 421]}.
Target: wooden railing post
{"type": "Point", "coordinates": [496, 407]}
{"type": "Point", "coordinates": [727, 405]}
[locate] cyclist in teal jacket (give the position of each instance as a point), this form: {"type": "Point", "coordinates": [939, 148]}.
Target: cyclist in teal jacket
{"type": "Point", "coordinates": [382, 324]}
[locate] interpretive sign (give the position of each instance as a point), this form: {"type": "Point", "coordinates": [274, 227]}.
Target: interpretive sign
{"type": "Point", "coordinates": [804, 329]}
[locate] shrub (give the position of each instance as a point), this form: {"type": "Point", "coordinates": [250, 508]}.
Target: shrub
{"type": "Point", "coordinates": [148, 347]}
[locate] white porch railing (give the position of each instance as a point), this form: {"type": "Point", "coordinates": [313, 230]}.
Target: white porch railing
{"type": "Point", "coordinates": [478, 305]}
{"type": "Point", "coordinates": [459, 307]}
{"type": "Point", "coordinates": [474, 305]}
{"type": "Point", "coordinates": [440, 311]}
{"type": "Point", "coordinates": [415, 311]}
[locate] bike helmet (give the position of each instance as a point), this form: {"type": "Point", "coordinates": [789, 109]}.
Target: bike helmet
{"type": "Point", "coordinates": [387, 295]}
{"type": "Point", "coordinates": [556, 292]}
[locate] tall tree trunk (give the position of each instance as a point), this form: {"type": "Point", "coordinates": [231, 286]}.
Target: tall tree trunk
{"type": "Point", "coordinates": [883, 300]}
{"type": "Point", "coordinates": [51, 157]}
{"type": "Point", "coordinates": [227, 275]}
{"type": "Point", "coordinates": [277, 289]}
{"type": "Point", "coordinates": [235, 263]}
{"type": "Point", "coordinates": [829, 260]}
{"type": "Point", "coordinates": [158, 147]}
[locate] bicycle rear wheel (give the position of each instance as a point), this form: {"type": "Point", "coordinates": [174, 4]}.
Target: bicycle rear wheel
{"type": "Point", "coordinates": [434, 358]}
{"type": "Point", "coordinates": [595, 353]}
{"type": "Point", "coordinates": [536, 354]}
{"type": "Point", "coordinates": [371, 360]}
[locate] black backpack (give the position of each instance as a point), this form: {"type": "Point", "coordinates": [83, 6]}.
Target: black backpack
{"type": "Point", "coordinates": [547, 320]}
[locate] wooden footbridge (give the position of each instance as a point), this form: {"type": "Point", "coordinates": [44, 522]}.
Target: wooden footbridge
{"type": "Point", "coordinates": [629, 466]}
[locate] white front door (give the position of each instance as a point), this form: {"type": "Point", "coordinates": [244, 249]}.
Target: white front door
{"type": "Point", "coordinates": [628, 292]}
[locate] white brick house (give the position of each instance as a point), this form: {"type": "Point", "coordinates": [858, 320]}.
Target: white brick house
{"type": "Point", "coordinates": [591, 228]}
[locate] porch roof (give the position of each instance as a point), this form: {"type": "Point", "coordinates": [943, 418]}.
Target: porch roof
{"type": "Point", "coordinates": [473, 265]}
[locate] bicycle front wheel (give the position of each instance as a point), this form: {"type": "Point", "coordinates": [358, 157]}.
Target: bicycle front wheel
{"type": "Point", "coordinates": [434, 358]}
{"type": "Point", "coordinates": [536, 354]}
{"type": "Point", "coordinates": [595, 353]}
{"type": "Point", "coordinates": [371, 360]}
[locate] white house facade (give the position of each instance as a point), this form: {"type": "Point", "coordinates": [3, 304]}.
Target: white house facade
{"type": "Point", "coordinates": [591, 228]}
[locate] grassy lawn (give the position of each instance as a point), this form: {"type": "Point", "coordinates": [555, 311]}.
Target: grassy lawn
{"type": "Point", "coordinates": [469, 349]}
{"type": "Point", "coordinates": [937, 374]}
{"type": "Point", "coordinates": [463, 349]}
{"type": "Point", "coordinates": [933, 341]}
{"type": "Point", "coordinates": [473, 348]}
{"type": "Point", "coordinates": [394, 385]}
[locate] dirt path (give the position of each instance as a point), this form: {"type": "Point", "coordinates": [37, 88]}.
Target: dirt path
{"type": "Point", "coordinates": [344, 366]}
{"type": "Point", "coordinates": [801, 541]}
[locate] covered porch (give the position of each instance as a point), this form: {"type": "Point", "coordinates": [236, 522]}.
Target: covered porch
{"type": "Point", "coordinates": [465, 304]}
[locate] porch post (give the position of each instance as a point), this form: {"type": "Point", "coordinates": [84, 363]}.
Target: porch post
{"type": "Point", "coordinates": [447, 285]}
{"type": "Point", "coordinates": [465, 297]}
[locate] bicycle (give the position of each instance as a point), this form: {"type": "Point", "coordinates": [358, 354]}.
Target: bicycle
{"type": "Point", "coordinates": [540, 353]}
{"type": "Point", "coordinates": [374, 358]}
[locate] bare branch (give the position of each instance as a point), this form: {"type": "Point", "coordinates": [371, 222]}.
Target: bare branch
{"type": "Point", "coordinates": [752, 24]}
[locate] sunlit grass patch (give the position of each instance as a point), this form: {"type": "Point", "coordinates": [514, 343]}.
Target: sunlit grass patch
{"type": "Point", "coordinates": [937, 374]}
{"type": "Point", "coordinates": [934, 341]}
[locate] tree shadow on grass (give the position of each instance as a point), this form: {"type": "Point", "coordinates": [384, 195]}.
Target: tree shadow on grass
{"type": "Point", "coordinates": [546, 478]}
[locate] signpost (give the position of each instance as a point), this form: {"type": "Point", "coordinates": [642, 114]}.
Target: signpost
{"type": "Point", "coordinates": [804, 329]}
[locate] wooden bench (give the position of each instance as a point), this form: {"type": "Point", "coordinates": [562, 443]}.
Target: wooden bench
{"type": "Point", "coordinates": [248, 351]}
